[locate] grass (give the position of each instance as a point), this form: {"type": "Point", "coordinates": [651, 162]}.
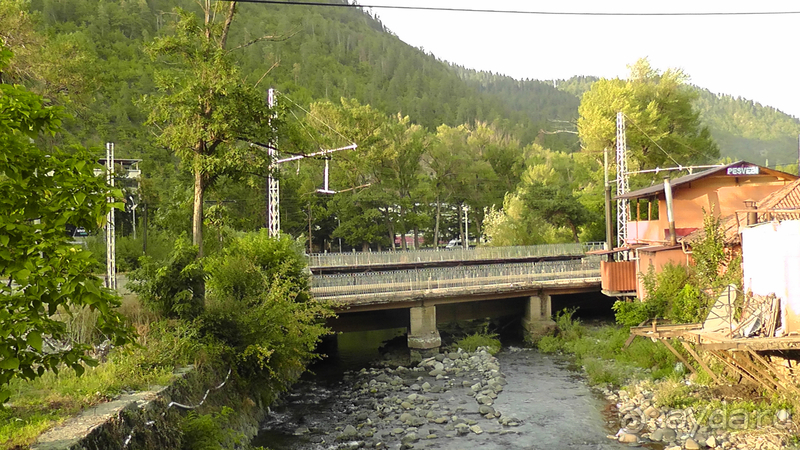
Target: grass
{"type": "Point", "coordinates": [47, 401]}
{"type": "Point", "coordinates": [598, 350]}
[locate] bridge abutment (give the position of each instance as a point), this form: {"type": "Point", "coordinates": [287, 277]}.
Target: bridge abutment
{"type": "Point", "coordinates": [422, 333]}
{"type": "Point", "coordinates": [537, 320]}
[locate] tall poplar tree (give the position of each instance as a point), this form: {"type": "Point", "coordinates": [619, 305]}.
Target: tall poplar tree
{"type": "Point", "coordinates": [204, 109]}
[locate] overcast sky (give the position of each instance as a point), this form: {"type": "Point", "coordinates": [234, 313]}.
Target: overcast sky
{"type": "Point", "coordinates": [755, 57]}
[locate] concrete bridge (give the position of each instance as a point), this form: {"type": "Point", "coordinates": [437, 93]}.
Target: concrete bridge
{"type": "Point", "coordinates": [418, 289]}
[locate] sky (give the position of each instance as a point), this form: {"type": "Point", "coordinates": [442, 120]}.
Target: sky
{"type": "Point", "coordinates": [754, 57]}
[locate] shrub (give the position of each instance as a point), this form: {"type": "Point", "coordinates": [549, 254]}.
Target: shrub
{"type": "Point", "coordinates": [267, 278]}
{"type": "Point", "coordinates": [250, 263]}
{"type": "Point", "coordinates": [550, 344]}
{"type": "Point", "coordinates": [210, 431]}
{"type": "Point", "coordinates": [175, 289]}
{"type": "Point", "coordinates": [472, 342]}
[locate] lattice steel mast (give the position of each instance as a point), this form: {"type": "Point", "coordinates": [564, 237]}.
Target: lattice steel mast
{"type": "Point", "coordinates": [622, 181]}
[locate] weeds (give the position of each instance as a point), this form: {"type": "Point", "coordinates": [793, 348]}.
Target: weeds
{"type": "Point", "coordinates": [472, 342]}
{"type": "Point", "coordinates": [599, 351]}
{"type": "Point", "coordinates": [42, 403]}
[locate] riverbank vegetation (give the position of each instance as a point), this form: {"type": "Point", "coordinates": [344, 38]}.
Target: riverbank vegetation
{"type": "Point", "coordinates": [679, 294]}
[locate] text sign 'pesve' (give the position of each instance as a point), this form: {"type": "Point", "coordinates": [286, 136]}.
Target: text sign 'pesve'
{"type": "Point", "coordinates": [743, 170]}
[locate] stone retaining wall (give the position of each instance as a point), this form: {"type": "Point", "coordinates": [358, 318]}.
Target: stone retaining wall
{"type": "Point", "coordinates": [146, 421]}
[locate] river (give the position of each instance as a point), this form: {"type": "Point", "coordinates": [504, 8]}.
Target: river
{"type": "Point", "coordinates": [549, 405]}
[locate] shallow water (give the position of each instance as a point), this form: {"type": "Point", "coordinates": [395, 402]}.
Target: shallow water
{"type": "Point", "coordinates": [556, 408]}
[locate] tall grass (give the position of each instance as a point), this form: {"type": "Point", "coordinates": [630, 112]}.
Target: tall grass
{"type": "Point", "coordinates": [50, 399]}
{"type": "Point", "coordinates": [599, 351]}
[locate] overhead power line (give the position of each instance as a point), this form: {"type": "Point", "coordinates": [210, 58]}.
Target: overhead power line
{"type": "Point", "coordinates": [539, 13]}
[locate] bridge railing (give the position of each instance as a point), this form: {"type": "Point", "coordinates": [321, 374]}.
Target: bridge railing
{"type": "Point", "coordinates": [448, 254]}
{"type": "Point", "coordinates": [329, 286]}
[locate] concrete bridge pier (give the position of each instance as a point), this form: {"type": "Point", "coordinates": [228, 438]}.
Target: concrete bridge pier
{"type": "Point", "coordinates": [537, 320]}
{"type": "Point", "coordinates": [422, 334]}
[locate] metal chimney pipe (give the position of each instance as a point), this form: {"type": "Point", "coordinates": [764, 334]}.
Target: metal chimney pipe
{"type": "Point", "coordinates": [752, 216]}
{"type": "Point", "coordinates": [673, 240]}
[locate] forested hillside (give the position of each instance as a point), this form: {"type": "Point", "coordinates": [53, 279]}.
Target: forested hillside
{"type": "Point", "coordinates": [433, 137]}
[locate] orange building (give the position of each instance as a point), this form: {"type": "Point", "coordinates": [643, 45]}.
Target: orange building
{"type": "Point", "coordinates": [720, 191]}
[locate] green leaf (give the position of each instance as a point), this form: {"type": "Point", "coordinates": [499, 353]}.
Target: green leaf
{"type": "Point", "coordinates": [5, 394]}
{"type": "Point", "coordinates": [79, 369]}
{"type": "Point", "coordinates": [22, 275]}
{"type": "Point", "coordinates": [35, 340]}
{"type": "Point", "coordinates": [9, 363]}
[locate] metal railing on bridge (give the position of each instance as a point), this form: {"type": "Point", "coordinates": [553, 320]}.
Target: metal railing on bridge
{"type": "Point", "coordinates": [365, 283]}
{"type": "Point", "coordinates": [454, 254]}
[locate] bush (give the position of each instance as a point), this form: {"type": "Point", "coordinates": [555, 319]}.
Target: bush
{"type": "Point", "coordinates": [130, 250]}
{"type": "Point", "coordinates": [210, 431]}
{"type": "Point", "coordinates": [550, 344]}
{"type": "Point", "coordinates": [252, 261]}
{"type": "Point", "coordinates": [472, 342]}
{"type": "Point", "coordinates": [174, 289]}
{"type": "Point", "coordinates": [267, 278]}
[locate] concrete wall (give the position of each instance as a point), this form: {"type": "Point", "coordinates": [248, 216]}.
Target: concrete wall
{"type": "Point", "coordinates": [771, 265]}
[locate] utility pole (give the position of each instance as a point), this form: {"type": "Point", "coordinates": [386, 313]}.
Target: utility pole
{"type": "Point", "coordinates": [607, 190]}
{"type": "Point", "coordinates": [111, 240]}
{"type": "Point", "coordinates": [466, 226]}
{"type": "Point", "coordinates": [273, 184]}
{"type": "Point", "coordinates": [622, 181]}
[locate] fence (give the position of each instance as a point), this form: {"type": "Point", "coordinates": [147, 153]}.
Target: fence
{"type": "Point", "coordinates": [454, 254]}
{"type": "Point", "coordinates": [329, 286]}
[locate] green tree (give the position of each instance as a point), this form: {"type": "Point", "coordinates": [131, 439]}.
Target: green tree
{"type": "Point", "coordinates": [204, 110]}
{"type": "Point", "coordinates": [43, 274]}
{"type": "Point", "coordinates": [662, 126]}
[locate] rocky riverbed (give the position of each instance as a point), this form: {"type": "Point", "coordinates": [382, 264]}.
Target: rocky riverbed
{"type": "Point", "coordinates": [643, 422]}
{"type": "Point", "coordinates": [455, 400]}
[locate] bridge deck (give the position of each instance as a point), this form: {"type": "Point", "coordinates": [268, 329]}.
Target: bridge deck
{"type": "Point", "coordinates": [406, 285]}
{"type": "Point", "coordinates": [364, 261]}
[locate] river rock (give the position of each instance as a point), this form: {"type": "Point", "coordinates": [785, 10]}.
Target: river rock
{"type": "Point", "coordinates": [462, 429]}
{"type": "Point", "coordinates": [691, 444]}
{"type": "Point", "coordinates": [628, 438]}
{"type": "Point", "coordinates": [711, 441]}
{"type": "Point", "coordinates": [486, 409]}
{"type": "Point", "coordinates": [409, 438]}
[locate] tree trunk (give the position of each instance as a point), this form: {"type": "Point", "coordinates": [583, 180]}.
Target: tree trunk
{"type": "Point", "coordinates": [390, 228]}
{"type": "Point", "coordinates": [460, 222]}
{"type": "Point", "coordinates": [574, 232]}
{"type": "Point", "coordinates": [416, 228]}
{"type": "Point", "coordinates": [436, 227]}
{"type": "Point", "coordinates": [197, 213]}
{"type": "Point", "coordinates": [365, 246]}
{"type": "Point", "coordinates": [403, 229]}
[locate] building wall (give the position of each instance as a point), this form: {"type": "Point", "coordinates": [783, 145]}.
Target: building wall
{"type": "Point", "coordinates": [658, 259]}
{"type": "Point", "coordinates": [722, 194]}
{"type": "Point", "coordinates": [771, 264]}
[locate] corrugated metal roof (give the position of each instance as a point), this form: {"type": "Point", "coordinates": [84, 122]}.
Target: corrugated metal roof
{"type": "Point", "coordinates": [677, 182]}
{"type": "Point", "coordinates": [783, 204]}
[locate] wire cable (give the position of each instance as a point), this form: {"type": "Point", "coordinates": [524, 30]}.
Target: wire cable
{"type": "Point", "coordinates": [651, 139]}
{"type": "Point", "coordinates": [312, 115]}
{"type": "Point", "coordinates": [539, 13]}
